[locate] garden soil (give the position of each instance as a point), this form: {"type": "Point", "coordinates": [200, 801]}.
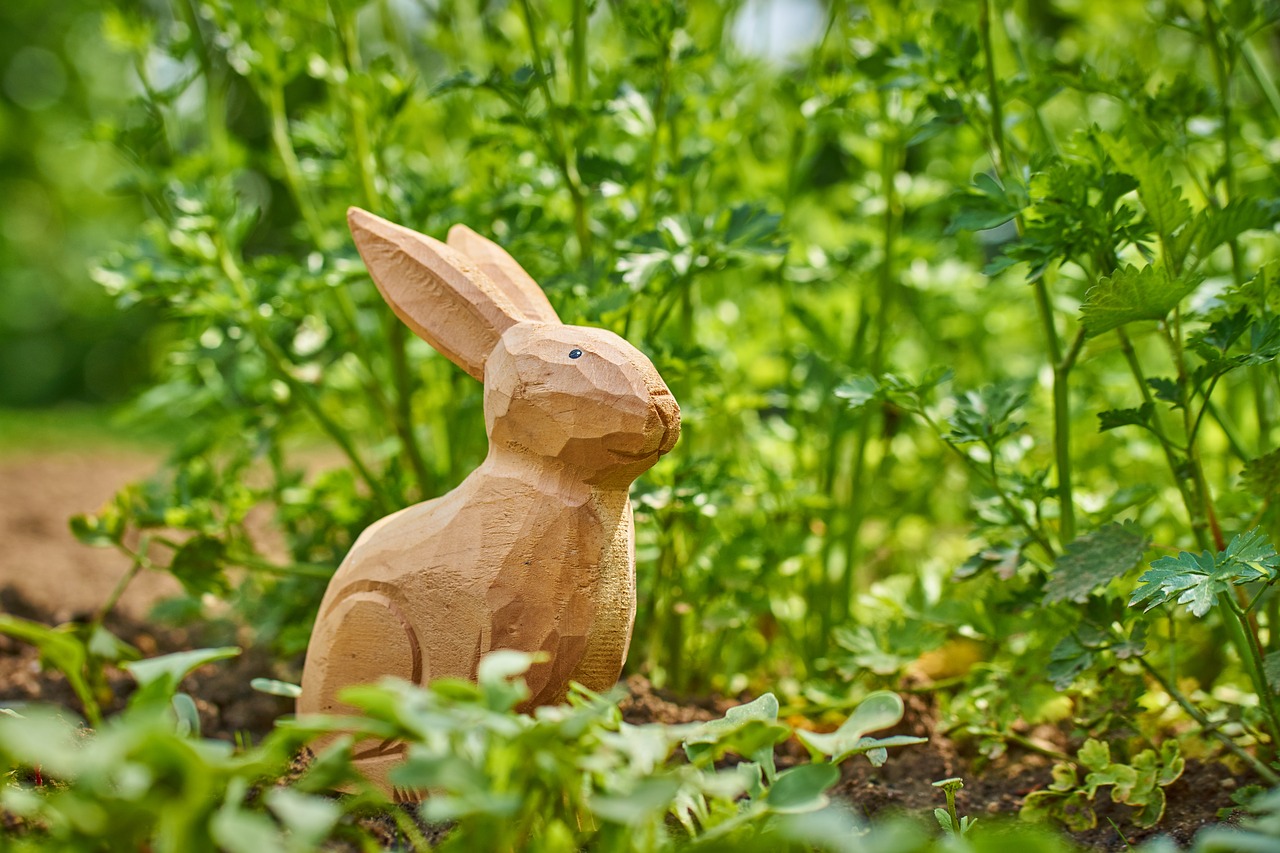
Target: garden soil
{"type": "Point", "coordinates": [46, 575]}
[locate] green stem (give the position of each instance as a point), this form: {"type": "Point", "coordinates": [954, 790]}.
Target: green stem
{"type": "Point", "coordinates": [139, 562]}
{"type": "Point", "coordinates": [279, 364]}
{"type": "Point", "coordinates": [1260, 76]}
{"type": "Point", "coordinates": [366, 167]}
{"type": "Point", "coordinates": [366, 162]}
{"type": "Point", "coordinates": [564, 162]}
{"type": "Point", "coordinates": [1157, 429]}
{"type": "Point", "coordinates": [1223, 66]}
{"type": "Point", "coordinates": [993, 480]}
{"type": "Point", "coordinates": [1044, 305]}
{"type": "Point", "coordinates": [293, 181]}
{"type": "Point", "coordinates": [215, 102]}
{"type": "Point", "coordinates": [1266, 773]}
{"type": "Point", "coordinates": [659, 116]}
{"type": "Point", "coordinates": [993, 89]}
{"type": "Point", "coordinates": [578, 57]}
{"type": "Point", "coordinates": [402, 377]}
{"type": "Point", "coordinates": [1062, 425]}
{"type": "Point", "coordinates": [1229, 431]}
{"type": "Point", "coordinates": [302, 570]}
{"type": "Point", "coordinates": [1253, 661]}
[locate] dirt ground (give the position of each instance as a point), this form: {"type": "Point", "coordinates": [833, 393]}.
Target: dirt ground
{"type": "Point", "coordinates": [46, 575]}
{"type": "Point", "coordinates": [40, 557]}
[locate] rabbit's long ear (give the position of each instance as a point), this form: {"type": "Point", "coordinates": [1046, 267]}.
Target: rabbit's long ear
{"type": "Point", "coordinates": [494, 262]}
{"type": "Point", "coordinates": [441, 295]}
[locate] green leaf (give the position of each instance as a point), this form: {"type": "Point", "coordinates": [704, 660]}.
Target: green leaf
{"type": "Point", "coordinates": [1226, 224]}
{"type": "Point", "coordinates": [986, 415]}
{"type": "Point", "coordinates": [858, 390]}
{"type": "Point", "coordinates": [239, 831]}
{"type": "Point", "coordinates": [1161, 196]}
{"type": "Point", "coordinates": [1191, 577]}
{"type": "Point", "coordinates": [1094, 560]}
{"type": "Point", "coordinates": [273, 687]}
{"type": "Point", "coordinates": [880, 710]}
{"type": "Point", "coordinates": [1130, 294]}
{"type": "Point", "coordinates": [753, 229]}
{"type": "Point", "coordinates": [1271, 669]}
{"type": "Point", "coordinates": [198, 566]}
{"type": "Point", "coordinates": [802, 789]}
{"type": "Point", "coordinates": [1068, 659]}
{"type": "Point", "coordinates": [309, 819]}
{"type": "Point", "coordinates": [649, 798]}
{"type": "Point", "coordinates": [750, 730]}
{"type": "Point", "coordinates": [985, 205]}
{"type": "Point", "coordinates": [99, 530]}
{"type": "Point", "coordinates": [500, 677]}
{"type": "Point", "coordinates": [165, 673]}
{"type": "Point", "coordinates": [1116, 418]}
{"type": "Point", "coordinates": [184, 708]}
{"type": "Point", "coordinates": [1251, 552]}
{"type": "Point", "coordinates": [1165, 389]}
{"type": "Point", "coordinates": [61, 648]}
{"type": "Point", "coordinates": [1197, 579]}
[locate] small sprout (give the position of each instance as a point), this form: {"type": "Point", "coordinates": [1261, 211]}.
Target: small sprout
{"type": "Point", "coordinates": [951, 823]}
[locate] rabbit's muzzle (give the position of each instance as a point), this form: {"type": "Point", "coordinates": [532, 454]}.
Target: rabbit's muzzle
{"type": "Point", "coordinates": [668, 412]}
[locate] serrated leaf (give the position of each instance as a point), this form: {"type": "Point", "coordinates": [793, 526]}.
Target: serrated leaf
{"type": "Point", "coordinates": [1166, 207]}
{"type": "Point", "coordinates": [1130, 294]}
{"type": "Point", "coordinates": [858, 390]}
{"type": "Point", "coordinates": [1197, 579]}
{"type": "Point", "coordinates": [1165, 389]}
{"type": "Point", "coordinates": [986, 415]}
{"type": "Point", "coordinates": [1225, 331]}
{"type": "Point", "coordinates": [1264, 343]}
{"type": "Point", "coordinates": [1002, 558]}
{"type": "Point", "coordinates": [1116, 418]}
{"type": "Point", "coordinates": [1271, 669]}
{"type": "Point", "coordinates": [1253, 555]}
{"type": "Point", "coordinates": [1226, 224]}
{"type": "Point", "coordinates": [1094, 560]}
{"type": "Point", "coordinates": [1068, 659]}
{"type": "Point", "coordinates": [1161, 196]}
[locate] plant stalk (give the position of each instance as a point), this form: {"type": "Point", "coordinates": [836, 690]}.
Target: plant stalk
{"type": "Point", "coordinates": [1266, 773]}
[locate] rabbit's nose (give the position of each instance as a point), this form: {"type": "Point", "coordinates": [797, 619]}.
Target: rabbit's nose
{"type": "Point", "coordinates": [668, 411]}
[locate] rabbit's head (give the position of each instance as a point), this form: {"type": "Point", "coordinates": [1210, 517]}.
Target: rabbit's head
{"type": "Point", "coordinates": [583, 397]}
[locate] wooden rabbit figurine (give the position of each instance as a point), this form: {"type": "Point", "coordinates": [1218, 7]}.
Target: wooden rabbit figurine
{"type": "Point", "coordinates": [535, 550]}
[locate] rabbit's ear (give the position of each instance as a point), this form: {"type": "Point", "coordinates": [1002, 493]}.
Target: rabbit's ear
{"type": "Point", "coordinates": [440, 294]}
{"type": "Point", "coordinates": [494, 262]}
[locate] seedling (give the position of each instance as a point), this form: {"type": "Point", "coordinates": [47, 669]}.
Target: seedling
{"type": "Point", "coordinates": [951, 823]}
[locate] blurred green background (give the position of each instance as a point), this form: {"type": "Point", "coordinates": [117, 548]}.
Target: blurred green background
{"type": "Point", "coordinates": [64, 201]}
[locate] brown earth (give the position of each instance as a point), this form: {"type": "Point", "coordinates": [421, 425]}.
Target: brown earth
{"type": "Point", "coordinates": [38, 494]}
{"type": "Point", "coordinates": [46, 575]}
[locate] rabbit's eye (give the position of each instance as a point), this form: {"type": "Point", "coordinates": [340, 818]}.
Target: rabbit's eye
{"type": "Point", "coordinates": [575, 353]}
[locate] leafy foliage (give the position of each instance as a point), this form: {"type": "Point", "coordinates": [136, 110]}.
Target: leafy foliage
{"type": "Point", "coordinates": [1139, 783]}
{"type": "Point", "coordinates": [1095, 559]}
{"type": "Point", "coordinates": [1198, 579]}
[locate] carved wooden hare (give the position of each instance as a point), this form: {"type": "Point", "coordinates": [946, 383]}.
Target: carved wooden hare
{"type": "Point", "coordinates": [535, 550]}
